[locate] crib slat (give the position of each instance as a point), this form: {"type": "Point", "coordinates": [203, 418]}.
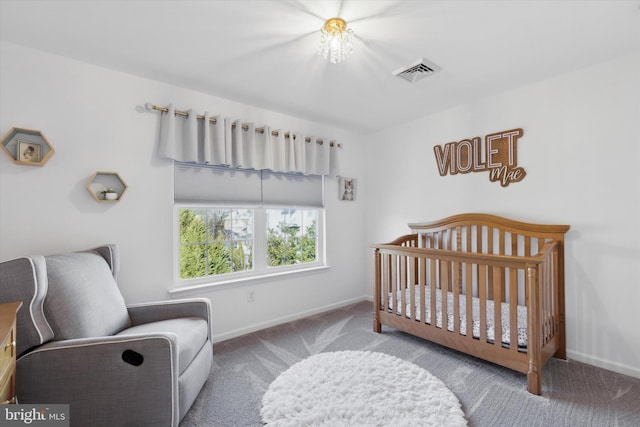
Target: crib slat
{"type": "Point", "coordinates": [490, 250]}
{"type": "Point", "coordinates": [482, 295]}
{"type": "Point", "coordinates": [384, 277]}
{"type": "Point", "coordinates": [456, 297]}
{"type": "Point", "coordinates": [490, 283]}
{"type": "Point", "coordinates": [469, 300]}
{"type": "Point", "coordinates": [413, 271]}
{"type": "Point", "coordinates": [402, 285]}
{"type": "Point", "coordinates": [497, 306]}
{"type": "Point", "coordinates": [411, 285]}
{"type": "Point", "coordinates": [514, 244]}
{"type": "Point", "coordinates": [501, 276]}
{"type": "Point", "coordinates": [549, 303]}
{"type": "Point", "coordinates": [393, 282]}
{"type": "Point", "coordinates": [513, 309]}
{"type": "Point", "coordinates": [422, 282]}
{"type": "Point", "coordinates": [444, 273]}
{"type": "Point", "coordinates": [434, 285]}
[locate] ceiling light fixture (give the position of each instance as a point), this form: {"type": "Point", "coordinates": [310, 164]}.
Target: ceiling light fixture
{"type": "Point", "coordinates": [336, 41]}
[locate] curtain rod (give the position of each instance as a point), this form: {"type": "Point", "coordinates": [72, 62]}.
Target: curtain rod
{"type": "Point", "coordinates": [150, 106]}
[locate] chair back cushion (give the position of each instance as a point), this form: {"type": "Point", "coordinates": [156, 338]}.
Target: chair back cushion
{"type": "Point", "coordinates": [83, 299]}
{"type": "Point", "coordinates": [25, 279]}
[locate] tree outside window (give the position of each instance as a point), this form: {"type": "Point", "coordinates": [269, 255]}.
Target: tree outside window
{"type": "Point", "coordinates": [216, 241]}
{"type": "Point", "coordinates": [291, 237]}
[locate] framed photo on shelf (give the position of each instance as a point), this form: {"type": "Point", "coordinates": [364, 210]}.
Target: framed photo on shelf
{"type": "Point", "coordinates": [28, 152]}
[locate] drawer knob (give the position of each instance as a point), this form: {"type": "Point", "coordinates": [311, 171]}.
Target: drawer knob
{"type": "Point", "coordinates": [11, 344]}
{"type": "Point", "coordinates": [10, 401]}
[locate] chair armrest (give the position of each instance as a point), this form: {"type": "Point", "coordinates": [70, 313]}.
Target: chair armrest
{"type": "Point", "coordinates": [93, 376]}
{"type": "Point", "coordinates": [163, 310]}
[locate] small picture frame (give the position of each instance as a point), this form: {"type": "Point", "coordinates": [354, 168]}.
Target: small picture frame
{"type": "Point", "coordinates": [347, 189]}
{"type": "Point", "coordinates": [29, 152]}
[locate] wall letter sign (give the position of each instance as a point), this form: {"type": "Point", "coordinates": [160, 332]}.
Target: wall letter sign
{"type": "Point", "coordinates": [498, 155]}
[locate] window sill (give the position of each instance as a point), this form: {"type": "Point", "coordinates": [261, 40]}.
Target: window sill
{"type": "Point", "coordinates": [240, 281]}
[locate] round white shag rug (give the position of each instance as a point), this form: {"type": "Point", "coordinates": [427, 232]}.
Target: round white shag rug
{"type": "Point", "coordinates": [359, 388]}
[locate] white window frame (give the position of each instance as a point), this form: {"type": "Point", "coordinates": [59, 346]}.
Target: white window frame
{"type": "Point", "coordinates": [260, 270]}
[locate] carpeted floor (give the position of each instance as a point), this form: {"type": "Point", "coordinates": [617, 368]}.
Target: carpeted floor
{"type": "Point", "coordinates": [574, 394]}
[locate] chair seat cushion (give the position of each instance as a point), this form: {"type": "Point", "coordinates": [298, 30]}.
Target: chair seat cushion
{"type": "Point", "coordinates": [191, 333]}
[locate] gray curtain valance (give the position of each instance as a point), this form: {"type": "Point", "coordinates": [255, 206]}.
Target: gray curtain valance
{"type": "Point", "coordinates": [229, 142]}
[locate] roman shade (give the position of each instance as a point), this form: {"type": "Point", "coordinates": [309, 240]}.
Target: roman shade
{"type": "Point", "coordinates": [195, 183]}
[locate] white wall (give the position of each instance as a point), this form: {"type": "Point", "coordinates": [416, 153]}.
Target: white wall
{"type": "Point", "coordinates": [580, 148]}
{"type": "Point", "coordinates": [95, 119]}
{"type": "Point", "coordinates": [581, 152]}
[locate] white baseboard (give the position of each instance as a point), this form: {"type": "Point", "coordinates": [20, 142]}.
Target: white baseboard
{"type": "Point", "coordinates": [274, 322]}
{"type": "Point", "coordinates": [605, 364]}
{"type": "Point", "coordinates": [573, 355]}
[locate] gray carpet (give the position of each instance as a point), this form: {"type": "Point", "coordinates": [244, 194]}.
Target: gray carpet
{"type": "Point", "coordinates": [574, 394]}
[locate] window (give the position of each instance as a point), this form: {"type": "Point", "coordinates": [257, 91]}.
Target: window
{"type": "Point", "coordinates": [221, 243]}
{"type": "Point", "coordinates": [291, 236]}
{"type": "Point", "coordinates": [228, 229]}
{"type": "Point", "coordinates": [215, 241]}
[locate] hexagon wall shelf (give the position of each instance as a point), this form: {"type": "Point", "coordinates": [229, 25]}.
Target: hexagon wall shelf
{"type": "Point", "coordinates": [102, 181]}
{"type": "Point", "coordinates": [27, 147]}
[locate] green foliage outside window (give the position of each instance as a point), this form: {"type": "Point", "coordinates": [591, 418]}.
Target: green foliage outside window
{"type": "Point", "coordinates": [286, 245]}
{"type": "Point", "coordinates": [211, 244]}
{"type": "Point", "coordinates": [220, 240]}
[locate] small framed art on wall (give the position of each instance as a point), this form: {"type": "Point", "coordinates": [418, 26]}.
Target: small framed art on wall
{"type": "Point", "coordinates": [347, 190]}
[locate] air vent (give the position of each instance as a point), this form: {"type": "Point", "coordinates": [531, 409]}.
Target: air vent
{"type": "Point", "coordinates": [417, 71]}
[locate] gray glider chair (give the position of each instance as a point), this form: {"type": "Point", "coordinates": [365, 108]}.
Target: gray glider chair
{"type": "Point", "coordinates": [79, 344]}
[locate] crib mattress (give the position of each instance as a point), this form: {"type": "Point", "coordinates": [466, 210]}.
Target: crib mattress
{"type": "Point", "coordinates": [505, 315]}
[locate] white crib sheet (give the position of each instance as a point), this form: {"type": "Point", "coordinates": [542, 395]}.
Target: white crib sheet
{"type": "Point", "coordinates": [506, 335]}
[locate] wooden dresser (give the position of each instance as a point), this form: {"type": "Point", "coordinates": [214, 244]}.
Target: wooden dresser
{"type": "Point", "coordinates": [8, 313]}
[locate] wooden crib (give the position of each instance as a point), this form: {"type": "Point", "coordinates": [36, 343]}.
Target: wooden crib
{"type": "Point", "coordinates": [508, 274]}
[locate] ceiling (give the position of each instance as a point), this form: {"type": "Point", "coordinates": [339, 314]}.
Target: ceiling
{"type": "Point", "coordinates": [264, 52]}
